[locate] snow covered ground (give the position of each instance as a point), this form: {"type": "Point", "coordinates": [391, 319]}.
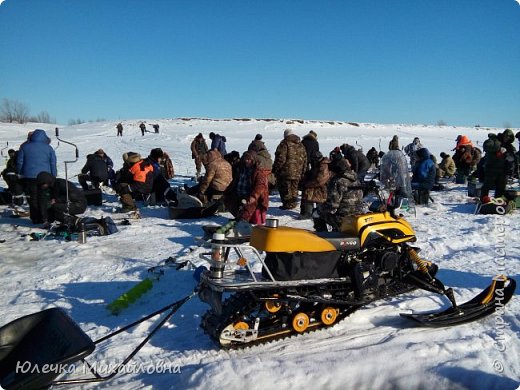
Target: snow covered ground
{"type": "Point", "coordinates": [372, 349]}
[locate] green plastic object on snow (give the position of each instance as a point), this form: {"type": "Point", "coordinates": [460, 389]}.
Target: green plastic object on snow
{"type": "Point", "coordinates": [129, 297]}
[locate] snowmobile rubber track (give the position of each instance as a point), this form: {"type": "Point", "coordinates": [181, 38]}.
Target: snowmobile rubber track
{"type": "Point", "coordinates": [244, 306]}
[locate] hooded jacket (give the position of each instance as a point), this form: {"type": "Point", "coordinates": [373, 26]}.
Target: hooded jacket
{"type": "Point", "coordinates": [219, 143]}
{"type": "Point", "coordinates": [290, 161]}
{"type": "Point", "coordinates": [424, 170]}
{"type": "Point", "coordinates": [394, 168]}
{"type": "Point", "coordinates": [36, 156]}
{"type": "Point", "coordinates": [97, 167]}
{"type": "Point", "coordinates": [218, 173]}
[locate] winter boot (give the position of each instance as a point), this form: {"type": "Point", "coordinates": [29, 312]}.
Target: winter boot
{"type": "Point", "coordinates": [128, 203]}
{"type": "Point", "coordinates": [306, 210]}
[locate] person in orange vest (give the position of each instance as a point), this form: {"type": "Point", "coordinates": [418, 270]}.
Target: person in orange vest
{"type": "Point", "coordinates": [136, 177]}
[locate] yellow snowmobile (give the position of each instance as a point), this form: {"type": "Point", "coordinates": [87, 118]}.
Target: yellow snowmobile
{"type": "Point", "coordinates": [310, 280]}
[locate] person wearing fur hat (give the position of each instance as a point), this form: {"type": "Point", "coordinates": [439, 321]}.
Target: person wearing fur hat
{"type": "Point", "coordinates": [52, 199]}
{"type": "Point", "coordinates": [289, 167]}
{"type": "Point", "coordinates": [344, 197]}
{"type": "Point", "coordinates": [198, 149]}
{"type": "Point", "coordinates": [134, 179]}
{"type": "Point", "coordinates": [95, 170]}
{"type": "Point", "coordinates": [311, 144]}
{"type": "Point", "coordinates": [247, 197]}
{"type": "Point", "coordinates": [314, 185]}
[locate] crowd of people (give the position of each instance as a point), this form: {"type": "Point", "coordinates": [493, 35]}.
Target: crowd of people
{"type": "Point", "coordinates": [332, 186]}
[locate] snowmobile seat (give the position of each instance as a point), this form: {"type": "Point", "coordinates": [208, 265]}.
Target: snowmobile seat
{"type": "Point", "coordinates": [31, 344]}
{"type": "Point", "coordinates": [340, 240]}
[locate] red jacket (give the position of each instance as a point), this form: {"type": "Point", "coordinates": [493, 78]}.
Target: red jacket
{"type": "Point", "coordinates": [259, 197]}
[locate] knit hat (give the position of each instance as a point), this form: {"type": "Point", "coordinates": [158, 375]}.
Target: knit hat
{"type": "Point", "coordinates": [100, 152]}
{"type": "Point", "coordinates": [287, 132]}
{"type": "Point", "coordinates": [156, 153]}
{"type": "Point", "coordinates": [313, 133]}
{"type": "Point", "coordinates": [258, 137]}
{"type": "Point", "coordinates": [394, 143]}
{"type": "Point", "coordinates": [443, 155]}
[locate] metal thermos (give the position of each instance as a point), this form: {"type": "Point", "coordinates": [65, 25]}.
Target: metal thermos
{"type": "Point", "coordinates": [82, 234]}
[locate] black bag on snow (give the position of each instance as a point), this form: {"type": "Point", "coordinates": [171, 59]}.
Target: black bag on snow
{"type": "Point", "coordinates": [98, 226]}
{"type": "Point", "coordinates": [499, 209]}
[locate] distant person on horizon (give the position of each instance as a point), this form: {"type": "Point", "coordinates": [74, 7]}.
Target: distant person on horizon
{"type": "Point", "coordinates": [142, 126]}
{"type": "Point", "coordinates": [156, 128]}
{"type": "Point", "coordinates": [119, 128]}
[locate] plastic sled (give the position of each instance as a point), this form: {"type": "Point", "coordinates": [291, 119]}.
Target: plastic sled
{"type": "Point", "coordinates": [30, 342]}
{"type": "Point", "coordinates": [175, 212]}
{"type": "Point", "coordinates": [35, 349]}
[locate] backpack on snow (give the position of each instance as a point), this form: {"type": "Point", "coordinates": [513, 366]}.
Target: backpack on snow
{"type": "Point", "coordinates": [498, 206]}
{"type": "Point", "coordinates": [98, 226]}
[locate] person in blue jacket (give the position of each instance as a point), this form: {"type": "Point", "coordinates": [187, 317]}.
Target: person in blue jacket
{"type": "Point", "coordinates": [424, 171]}
{"type": "Point", "coordinates": [218, 142]}
{"type": "Point", "coordinates": [35, 156]}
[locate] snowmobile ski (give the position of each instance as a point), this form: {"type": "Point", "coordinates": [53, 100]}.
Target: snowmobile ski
{"type": "Point", "coordinates": [496, 295]}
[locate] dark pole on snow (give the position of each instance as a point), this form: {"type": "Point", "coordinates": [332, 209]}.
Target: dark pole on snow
{"type": "Point", "coordinates": [66, 170]}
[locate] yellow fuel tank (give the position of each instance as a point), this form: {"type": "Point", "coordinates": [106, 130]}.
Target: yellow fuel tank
{"type": "Point", "coordinates": [287, 239]}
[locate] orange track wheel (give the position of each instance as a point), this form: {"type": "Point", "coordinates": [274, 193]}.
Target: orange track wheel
{"type": "Point", "coordinates": [329, 316]}
{"type": "Point", "coordinates": [241, 325]}
{"type": "Point", "coordinates": [300, 322]}
{"type": "Point", "coordinates": [273, 307]}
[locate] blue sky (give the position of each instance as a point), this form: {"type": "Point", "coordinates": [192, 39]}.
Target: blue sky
{"type": "Point", "coordinates": [384, 61]}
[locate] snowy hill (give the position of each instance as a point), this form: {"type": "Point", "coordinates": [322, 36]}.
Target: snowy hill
{"type": "Point", "coordinates": [372, 349]}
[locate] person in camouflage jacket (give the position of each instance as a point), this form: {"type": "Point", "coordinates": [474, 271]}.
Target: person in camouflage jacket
{"type": "Point", "coordinates": [344, 197]}
{"type": "Point", "coordinates": [290, 164]}
{"type": "Point", "coordinates": [198, 149]}
{"type": "Point", "coordinates": [217, 178]}
{"type": "Point", "coordinates": [315, 184]}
